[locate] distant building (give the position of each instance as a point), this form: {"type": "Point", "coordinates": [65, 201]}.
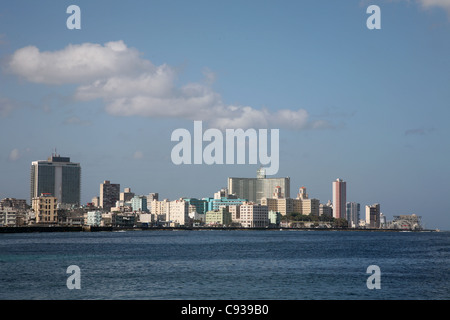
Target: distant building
{"type": "Point", "coordinates": [109, 194]}
{"type": "Point", "coordinates": [179, 212]}
{"type": "Point", "coordinates": [274, 218]}
{"type": "Point", "coordinates": [407, 222]}
{"type": "Point", "coordinates": [220, 217]}
{"type": "Point", "coordinates": [152, 196]}
{"type": "Point", "coordinates": [286, 206]}
{"type": "Point", "coordinates": [17, 204]}
{"type": "Point", "coordinates": [216, 203]}
{"type": "Point", "coordinates": [45, 208]}
{"type": "Point", "coordinates": [160, 210]}
{"type": "Point", "coordinates": [352, 214]}
{"type": "Point", "coordinates": [57, 176]}
{"type": "Point", "coordinates": [254, 215]}
{"type": "Point", "coordinates": [254, 189]}
{"type": "Point", "coordinates": [95, 202]}
{"type": "Point", "coordinates": [198, 205]}
{"type": "Point", "coordinates": [94, 218]}
{"type": "Point", "coordinates": [326, 209]}
{"type": "Point", "coordinates": [126, 195]}
{"type": "Point", "coordinates": [124, 220]}
{"type": "Point", "coordinates": [339, 198]}
{"type": "Point", "coordinates": [8, 217]}
{"type": "Point", "coordinates": [139, 203]}
{"type": "Point", "coordinates": [373, 216]}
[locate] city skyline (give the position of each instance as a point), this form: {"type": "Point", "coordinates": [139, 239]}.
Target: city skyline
{"type": "Point", "coordinates": [366, 106]}
{"type": "Point", "coordinates": [260, 191]}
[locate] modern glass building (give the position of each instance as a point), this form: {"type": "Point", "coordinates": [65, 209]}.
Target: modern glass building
{"type": "Point", "coordinates": [58, 177]}
{"type": "Point", "coordinates": [254, 189]}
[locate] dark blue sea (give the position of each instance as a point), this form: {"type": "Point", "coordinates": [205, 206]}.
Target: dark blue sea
{"type": "Point", "coordinates": [225, 265]}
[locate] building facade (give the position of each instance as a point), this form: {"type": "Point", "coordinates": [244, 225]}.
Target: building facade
{"type": "Point", "coordinates": [352, 214]}
{"type": "Point", "coordinates": [57, 176]}
{"type": "Point", "coordinates": [339, 198]}
{"type": "Point", "coordinates": [109, 194]}
{"type": "Point", "coordinates": [45, 208]}
{"type": "Point", "coordinates": [373, 216]}
{"type": "Point", "coordinates": [94, 218]}
{"type": "Point", "coordinates": [179, 212]}
{"type": "Point", "coordinates": [254, 189]}
{"type": "Point", "coordinates": [253, 215]}
{"type": "Point", "coordinates": [220, 217]}
{"type": "Point", "coordinates": [139, 203]}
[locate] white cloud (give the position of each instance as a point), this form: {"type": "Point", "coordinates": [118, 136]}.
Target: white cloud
{"type": "Point", "coordinates": [76, 63]}
{"type": "Point", "coordinates": [132, 86]}
{"type": "Point", "coordinates": [14, 155]}
{"type": "Point", "coordinates": [444, 4]}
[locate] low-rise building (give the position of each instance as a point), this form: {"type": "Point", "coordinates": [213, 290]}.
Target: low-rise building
{"type": "Point", "coordinates": [45, 207]}
{"type": "Point", "coordinates": [254, 215]}
{"type": "Point", "coordinates": [221, 217]}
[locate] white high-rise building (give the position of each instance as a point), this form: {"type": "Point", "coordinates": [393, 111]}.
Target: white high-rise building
{"type": "Point", "coordinates": [179, 212]}
{"type": "Point", "coordinates": [339, 198]}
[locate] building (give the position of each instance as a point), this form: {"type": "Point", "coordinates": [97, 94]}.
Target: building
{"type": "Point", "coordinates": [109, 194]}
{"type": "Point", "coordinates": [339, 198]}
{"type": "Point", "coordinates": [179, 212]}
{"type": "Point", "coordinates": [160, 210]}
{"type": "Point", "coordinates": [17, 204]}
{"type": "Point", "coordinates": [274, 218]}
{"type": "Point", "coordinates": [126, 195]}
{"type": "Point", "coordinates": [220, 217]}
{"type": "Point", "coordinates": [45, 208]}
{"type": "Point", "coordinates": [373, 216]}
{"type": "Point", "coordinates": [95, 202]}
{"type": "Point", "coordinates": [407, 222]}
{"type": "Point", "coordinates": [254, 189]}
{"type": "Point", "coordinates": [57, 176]}
{"type": "Point", "coordinates": [215, 204]}
{"type": "Point", "coordinates": [352, 214]}
{"type": "Point", "coordinates": [254, 215]}
{"type": "Point", "coordinates": [286, 206]}
{"type": "Point", "coordinates": [197, 205]}
{"type": "Point", "coordinates": [139, 203]}
{"type": "Point", "coordinates": [310, 207]}
{"type": "Point", "coordinates": [326, 209]}
{"type": "Point", "coordinates": [94, 218]}
{"type": "Point", "coordinates": [152, 196]}
{"type": "Point", "coordinates": [8, 217]}
{"type": "Point", "coordinates": [123, 220]}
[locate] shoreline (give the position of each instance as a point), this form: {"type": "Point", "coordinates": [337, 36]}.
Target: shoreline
{"type": "Point", "coordinates": [31, 229]}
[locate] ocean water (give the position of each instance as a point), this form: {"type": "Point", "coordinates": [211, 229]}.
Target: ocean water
{"type": "Point", "coordinates": [225, 265]}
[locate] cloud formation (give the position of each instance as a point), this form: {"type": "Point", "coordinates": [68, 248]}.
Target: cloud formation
{"type": "Point", "coordinates": [132, 86]}
{"type": "Point", "coordinates": [444, 4]}
{"type": "Point", "coordinates": [14, 155]}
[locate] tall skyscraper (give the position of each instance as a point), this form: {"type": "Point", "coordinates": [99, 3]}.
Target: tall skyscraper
{"type": "Point", "coordinates": [339, 198]}
{"type": "Point", "coordinates": [254, 189]}
{"type": "Point", "coordinates": [58, 177]}
{"type": "Point", "coordinates": [109, 194]}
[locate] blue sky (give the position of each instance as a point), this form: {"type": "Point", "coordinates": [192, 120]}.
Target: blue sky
{"type": "Point", "coordinates": [368, 106]}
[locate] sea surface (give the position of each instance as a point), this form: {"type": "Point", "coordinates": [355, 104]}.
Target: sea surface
{"type": "Point", "coordinates": [221, 265]}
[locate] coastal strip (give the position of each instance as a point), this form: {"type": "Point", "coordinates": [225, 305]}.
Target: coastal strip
{"type": "Point", "coordinates": [30, 229]}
